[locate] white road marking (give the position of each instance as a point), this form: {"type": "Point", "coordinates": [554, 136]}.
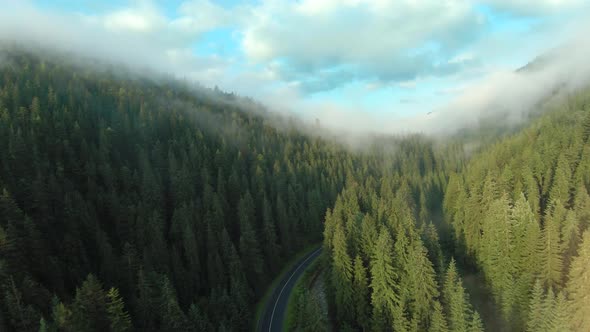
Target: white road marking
{"type": "Point", "coordinates": [285, 285]}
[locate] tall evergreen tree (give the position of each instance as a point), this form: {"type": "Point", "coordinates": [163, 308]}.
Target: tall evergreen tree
{"type": "Point", "coordinates": [118, 316]}
{"type": "Point", "coordinates": [342, 276]}
{"type": "Point", "coordinates": [457, 309]}
{"type": "Point", "coordinates": [385, 297]}
{"type": "Point", "coordinates": [536, 315]}
{"type": "Point", "coordinates": [89, 309]}
{"type": "Point", "coordinates": [551, 259]}
{"type": "Point", "coordinates": [360, 295]}
{"type": "Point", "coordinates": [438, 322]}
{"type": "Point", "coordinates": [578, 287]}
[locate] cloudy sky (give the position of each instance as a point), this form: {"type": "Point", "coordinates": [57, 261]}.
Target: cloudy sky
{"type": "Point", "coordinates": [354, 59]}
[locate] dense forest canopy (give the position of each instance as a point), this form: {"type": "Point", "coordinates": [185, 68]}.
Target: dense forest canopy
{"type": "Point", "coordinates": [129, 203]}
{"type": "Point", "coordinates": [129, 191]}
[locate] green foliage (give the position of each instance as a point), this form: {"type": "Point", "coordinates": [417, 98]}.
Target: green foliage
{"type": "Point", "coordinates": [578, 287]}
{"type": "Point", "coordinates": [361, 294]}
{"type": "Point", "coordinates": [168, 192]}
{"type": "Point", "coordinates": [536, 316]}
{"type": "Point", "coordinates": [455, 300]}
{"type": "Point", "coordinates": [531, 192]}
{"type": "Point", "coordinates": [184, 203]}
{"type": "Point", "coordinates": [119, 318]}
{"type": "Point", "coordinates": [385, 297]}
{"type": "Point", "coordinates": [438, 322]}
{"type": "Point", "coordinates": [551, 251]}
{"type": "Point", "coordinates": [89, 309]}
{"type": "Point", "coordinates": [342, 276]}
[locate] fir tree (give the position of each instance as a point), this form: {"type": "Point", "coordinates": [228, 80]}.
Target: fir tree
{"type": "Point", "coordinates": [118, 316]}
{"type": "Point", "coordinates": [438, 322]}
{"type": "Point", "coordinates": [361, 294]}
{"type": "Point", "coordinates": [385, 297]}
{"type": "Point", "coordinates": [578, 287]}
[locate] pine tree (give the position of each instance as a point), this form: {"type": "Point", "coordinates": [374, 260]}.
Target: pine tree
{"type": "Point", "coordinates": [551, 260]}
{"type": "Point", "coordinates": [89, 309]}
{"type": "Point", "coordinates": [548, 310]}
{"type": "Point", "coordinates": [385, 297]}
{"type": "Point", "coordinates": [249, 245]}
{"type": "Point", "coordinates": [496, 252]}
{"type": "Point", "coordinates": [250, 250]}
{"type": "Point", "coordinates": [118, 316]}
{"type": "Point", "coordinates": [535, 314]}
{"type": "Point", "coordinates": [342, 274]}
{"type": "Point", "coordinates": [561, 319]}
{"type": "Point", "coordinates": [457, 308]}
{"type": "Point", "coordinates": [438, 322]}
{"type": "Point", "coordinates": [525, 253]}
{"type": "Point", "coordinates": [582, 205]}
{"type": "Point", "coordinates": [560, 190]}
{"type": "Point", "coordinates": [360, 294]}
{"type": "Point", "coordinates": [269, 234]}
{"type": "Point", "coordinates": [369, 234]}
{"type": "Point", "coordinates": [20, 314]}
{"type": "Point", "coordinates": [424, 286]}
{"type": "Point", "coordinates": [60, 315]}
{"type": "Point", "coordinates": [476, 324]}
{"type": "Point", "coordinates": [586, 127]}
{"type": "Point", "coordinates": [578, 286]}
{"type": "Point", "coordinates": [171, 316]}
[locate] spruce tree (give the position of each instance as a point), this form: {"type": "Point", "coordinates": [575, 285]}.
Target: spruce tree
{"type": "Point", "coordinates": [535, 312]}
{"type": "Point", "coordinates": [578, 287]}
{"type": "Point", "coordinates": [476, 324]}
{"type": "Point", "coordinates": [455, 300]}
{"type": "Point", "coordinates": [561, 318]}
{"type": "Point", "coordinates": [551, 247]}
{"type": "Point", "coordinates": [438, 322]}
{"type": "Point", "coordinates": [118, 316]}
{"type": "Point", "coordinates": [342, 276]}
{"type": "Point", "coordinates": [385, 297]}
{"type": "Point", "coordinates": [89, 309]}
{"type": "Point", "coordinates": [361, 294]}
{"type": "Point", "coordinates": [548, 310]}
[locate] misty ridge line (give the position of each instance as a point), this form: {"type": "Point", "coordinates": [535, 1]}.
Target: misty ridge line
{"type": "Point", "coordinates": [196, 101]}
{"type": "Point", "coordinates": [505, 98]}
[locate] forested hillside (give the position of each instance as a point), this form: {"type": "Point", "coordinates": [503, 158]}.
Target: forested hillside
{"type": "Point", "coordinates": [521, 211]}
{"type": "Point", "coordinates": [388, 268]}
{"type": "Point", "coordinates": [128, 203]}
{"type": "Point", "coordinates": [136, 204]}
{"type": "Point", "coordinates": [518, 213]}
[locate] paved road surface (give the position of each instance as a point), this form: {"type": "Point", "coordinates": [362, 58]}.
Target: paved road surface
{"type": "Point", "coordinates": [276, 306]}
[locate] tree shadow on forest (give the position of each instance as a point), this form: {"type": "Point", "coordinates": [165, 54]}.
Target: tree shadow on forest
{"type": "Point", "coordinates": [480, 295]}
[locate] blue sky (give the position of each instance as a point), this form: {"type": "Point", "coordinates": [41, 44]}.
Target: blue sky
{"type": "Point", "coordinates": [401, 58]}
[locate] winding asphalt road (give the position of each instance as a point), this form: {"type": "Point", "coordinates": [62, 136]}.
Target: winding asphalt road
{"type": "Point", "coordinates": [276, 306]}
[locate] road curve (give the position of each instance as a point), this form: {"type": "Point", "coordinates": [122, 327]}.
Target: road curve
{"type": "Point", "coordinates": [276, 306]}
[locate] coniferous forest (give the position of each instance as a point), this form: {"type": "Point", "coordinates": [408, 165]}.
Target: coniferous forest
{"type": "Point", "coordinates": [138, 204]}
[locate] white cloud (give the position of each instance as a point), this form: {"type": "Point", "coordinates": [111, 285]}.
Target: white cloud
{"type": "Point", "coordinates": [140, 42]}
{"type": "Point", "coordinates": [462, 57]}
{"type": "Point", "coordinates": [143, 19]}
{"type": "Point", "coordinates": [535, 7]}
{"type": "Point", "coordinates": [296, 47]}
{"type": "Point", "coordinates": [504, 95]}
{"type": "Point", "coordinates": [198, 16]}
{"type": "Point", "coordinates": [366, 39]}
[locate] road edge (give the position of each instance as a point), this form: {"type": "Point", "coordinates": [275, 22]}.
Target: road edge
{"type": "Point", "coordinates": [261, 304]}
